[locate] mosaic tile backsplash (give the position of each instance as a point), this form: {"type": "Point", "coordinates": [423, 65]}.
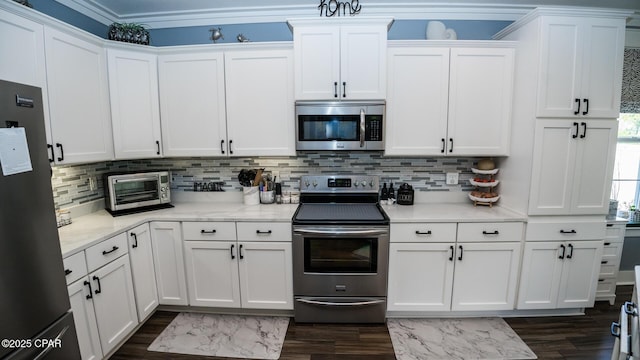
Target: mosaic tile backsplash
{"type": "Point", "coordinates": [71, 183]}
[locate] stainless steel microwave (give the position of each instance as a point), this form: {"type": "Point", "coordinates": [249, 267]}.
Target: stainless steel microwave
{"type": "Point", "coordinates": [340, 125]}
{"type": "Point", "coordinates": [136, 191]}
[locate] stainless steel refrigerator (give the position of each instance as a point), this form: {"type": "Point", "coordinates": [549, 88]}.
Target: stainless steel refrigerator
{"type": "Point", "coordinates": [34, 303]}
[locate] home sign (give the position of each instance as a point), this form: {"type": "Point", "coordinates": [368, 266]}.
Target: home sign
{"type": "Point", "coordinates": [329, 8]}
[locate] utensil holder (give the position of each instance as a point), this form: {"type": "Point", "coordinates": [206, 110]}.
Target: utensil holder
{"type": "Point", "coordinates": [250, 195]}
{"type": "Point", "coordinates": [267, 197]}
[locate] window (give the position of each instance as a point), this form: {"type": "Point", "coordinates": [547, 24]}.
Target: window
{"type": "Point", "coordinates": [626, 172]}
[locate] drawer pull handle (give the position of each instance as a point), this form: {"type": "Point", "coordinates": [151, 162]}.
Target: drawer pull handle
{"type": "Point", "coordinates": [208, 231]}
{"type": "Point", "coordinates": [451, 257]}
{"type": "Point", "coordinates": [97, 279]}
{"type": "Point", "coordinates": [564, 249]}
{"type": "Point", "coordinates": [461, 250]}
{"type": "Point", "coordinates": [105, 252]}
{"type": "Point", "coordinates": [232, 256]}
{"type": "Point", "coordinates": [604, 262]}
{"type": "Point", "coordinates": [90, 296]}
{"type": "Point", "coordinates": [135, 239]}
{"type": "Point", "coordinates": [568, 232]}
{"type": "Point", "coordinates": [418, 232]}
{"type": "Point", "coordinates": [607, 244]}
{"type": "Point", "coordinates": [600, 280]}
{"type": "Point", "coordinates": [263, 232]}
{"type": "Point", "coordinates": [240, 252]}
{"type": "Point", "coordinates": [496, 232]}
{"type": "Point", "coordinates": [67, 272]}
{"type": "Point", "coordinates": [609, 225]}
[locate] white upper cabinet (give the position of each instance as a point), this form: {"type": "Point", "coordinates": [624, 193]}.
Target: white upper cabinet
{"type": "Point", "coordinates": [580, 67]}
{"type": "Point", "coordinates": [480, 99]}
{"type": "Point", "coordinates": [449, 101]}
{"type": "Point", "coordinates": [340, 62]}
{"type": "Point", "coordinates": [22, 49]}
{"type": "Point", "coordinates": [572, 167]}
{"type": "Point", "coordinates": [135, 111]}
{"type": "Point", "coordinates": [260, 104]}
{"type": "Point", "coordinates": [78, 98]}
{"type": "Point", "coordinates": [417, 102]}
{"type": "Point", "coordinates": [192, 103]}
{"type": "Point", "coordinates": [23, 59]}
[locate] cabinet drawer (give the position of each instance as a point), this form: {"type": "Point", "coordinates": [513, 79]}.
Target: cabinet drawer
{"type": "Point", "coordinates": [209, 230]}
{"type": "Point", "coordinates": [606, 286]}
{"type": "Point", "coordinates": [490, 232]}
{"type": "Point", "coordinates": [611, 249]}
{"type": "Point", "coordinates": [75, 267]}
{"type": "Point", "coordinates": [423, 232]}
{"type": "Point", "coordinates": [106, 251]}
{"type": "Point", "coordinates": [615, 231]}
{"type": "Point", "coordinates": [608, 269]}
{"type": "Point", "coordinates": [264, 231]}
{"type": "Point", "coordinates": [565, 231]}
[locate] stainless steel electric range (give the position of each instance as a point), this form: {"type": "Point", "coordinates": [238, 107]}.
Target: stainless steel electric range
{"type": "Point", "coordinates": [340, 250]}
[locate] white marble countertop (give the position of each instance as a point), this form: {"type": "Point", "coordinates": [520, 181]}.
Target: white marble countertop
{"type": "Point", "coordinates": [92, 228]}
{"type": "Point", "coordinates": [450, 212]}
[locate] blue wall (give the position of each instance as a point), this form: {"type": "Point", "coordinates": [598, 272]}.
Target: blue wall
{"type": "Point", "coordinates": [400, 30]}
{"type": "Point", "coordinates": [70, 16]}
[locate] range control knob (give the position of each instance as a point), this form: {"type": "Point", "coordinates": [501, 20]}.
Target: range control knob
{"type": "Point", "coordinates": [363, 183]}
{"type": "Point", "coordinates": [306, 183]}
{"type": "Point", "coordinates": [315, 183]}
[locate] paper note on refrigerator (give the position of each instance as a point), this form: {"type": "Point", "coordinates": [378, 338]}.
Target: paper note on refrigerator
{"type": "Point", "coordinates": [14, 151]}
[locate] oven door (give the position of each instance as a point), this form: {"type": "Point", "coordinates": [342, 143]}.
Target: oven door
{"type": "Point", "coordinates": [340, 261]}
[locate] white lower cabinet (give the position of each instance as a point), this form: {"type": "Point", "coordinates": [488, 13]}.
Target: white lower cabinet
{"type": "Point", "coordinates": [102, 300]}
{"type": "Point", "coordinates": [114, 302]}
{"type": "Point", "coordinates": [420, 276]}
{"type": "Point", "coordinates": [225, 272]}
{"type": "Point", "coordinates": [561, 262]}
{"type": "Point", "coordinates": [610, 263]}
{"type": "Point", "coordinates": [143, 270]}
{"type": "Point", "coordinates": [559, 274]}
{"type": "Point", "coordinates": [212, 273]}
{"type": "Point", "coordinates": [486, 276]}
{"type": "Point", "coordinates": [474, 270]}
{"type": "Point", "coordinates": [84, 318]}
{"type": "Point", "coordinates": [168, 259]}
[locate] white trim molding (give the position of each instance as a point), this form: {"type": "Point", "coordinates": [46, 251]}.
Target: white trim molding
{"type": "Point", "coordinates": [256, 11]}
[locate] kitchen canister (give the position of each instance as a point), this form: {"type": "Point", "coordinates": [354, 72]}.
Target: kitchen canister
{"type": "Point", "coordinates": [267, 197]}
{"type": "Point", "coordinates": [251, 195]}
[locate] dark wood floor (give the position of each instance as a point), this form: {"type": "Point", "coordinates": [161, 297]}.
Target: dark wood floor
{"type": "Point", "coordinates": [574, 337]}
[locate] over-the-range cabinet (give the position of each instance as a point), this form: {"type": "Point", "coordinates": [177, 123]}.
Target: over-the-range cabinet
{"type": "Point", "coordinates": [341, 60]}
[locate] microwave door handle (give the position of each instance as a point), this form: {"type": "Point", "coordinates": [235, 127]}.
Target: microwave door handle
{"type": "Point", "coordinates": [362, 127]}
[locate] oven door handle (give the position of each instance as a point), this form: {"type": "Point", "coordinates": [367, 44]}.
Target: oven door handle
{"type": "Point", "coordinates": [330, 303]}
{"type": "Point", "coordinates": [362, 127]}
{"type": "Point", "coordinates": [337, 232]}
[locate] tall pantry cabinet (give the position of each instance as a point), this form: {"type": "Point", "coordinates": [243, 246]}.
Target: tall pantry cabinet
{"type": "Point", "coordinates": [567, 93]}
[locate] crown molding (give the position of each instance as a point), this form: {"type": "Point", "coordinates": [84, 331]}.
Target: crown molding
{"type": "Point", "coordinates": [281, 13]}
